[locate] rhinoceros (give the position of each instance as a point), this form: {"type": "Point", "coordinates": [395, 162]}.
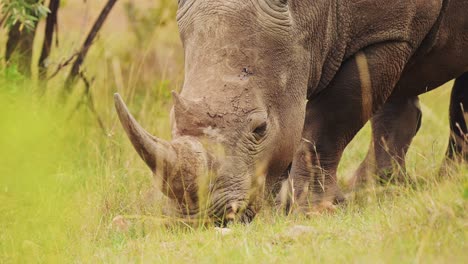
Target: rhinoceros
{"type": "Point", "coordinates": [276, 89]}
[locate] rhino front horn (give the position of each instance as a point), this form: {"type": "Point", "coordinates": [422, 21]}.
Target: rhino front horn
{"type": "Point", "coordinates": [158, 154]}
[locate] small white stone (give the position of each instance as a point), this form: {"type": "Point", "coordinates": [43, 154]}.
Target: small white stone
{"type": "Point", "coordinates": [223, 231]}
{"type": "Point", "coordinates": [299, 230]}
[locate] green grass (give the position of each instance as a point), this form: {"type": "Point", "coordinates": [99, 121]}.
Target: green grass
{"type": "Point", "coordinates": [63, 180]}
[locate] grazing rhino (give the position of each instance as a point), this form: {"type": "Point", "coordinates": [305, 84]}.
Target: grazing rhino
{"type": "Point", "coordinates": [278, 88]}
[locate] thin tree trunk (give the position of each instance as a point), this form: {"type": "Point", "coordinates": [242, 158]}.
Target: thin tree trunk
{"type": "Point", "coordinates": [75, 70]}
{"type": "Point", "coordinates": [51, 25]}
{"type": "Point", "coordinates": [19, 48]}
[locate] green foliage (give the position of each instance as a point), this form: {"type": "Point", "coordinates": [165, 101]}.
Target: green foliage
{"type": "Point", "coordinates": [10, 75]}
{"type": "Point", "coordinates": [35, 194]}
{"type": "Point", "coordinates": [25, 12]}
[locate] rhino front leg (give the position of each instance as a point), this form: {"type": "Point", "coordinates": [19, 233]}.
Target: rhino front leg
{"type": "Point", "coordinates": [335, 115]}
{"type": "Point", "coordinates": [393, 129]}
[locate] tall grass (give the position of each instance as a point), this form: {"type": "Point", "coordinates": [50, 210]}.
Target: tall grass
{"type": "Point", "coordinates": [63, 180]}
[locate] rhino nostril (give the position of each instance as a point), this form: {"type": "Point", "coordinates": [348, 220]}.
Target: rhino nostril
{"type": "Point", "coordinates": [234, 207]}
{"type": "Point", "coordinates": [232, 211]}
{"type": "Point", "coordinates": [230, 216]}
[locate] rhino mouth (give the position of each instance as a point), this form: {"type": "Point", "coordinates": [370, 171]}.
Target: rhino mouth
{"type": "Point", "coordinates": [218, 214]}
{"type": "Point", "coordinates": [234, 212]}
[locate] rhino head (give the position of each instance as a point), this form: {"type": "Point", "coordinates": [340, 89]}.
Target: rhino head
{"type": "Point", "coordinates": [239, 117]}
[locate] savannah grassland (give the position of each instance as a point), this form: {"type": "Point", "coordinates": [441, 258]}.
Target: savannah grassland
{"type": "Point", "coordinates": [63, 179]}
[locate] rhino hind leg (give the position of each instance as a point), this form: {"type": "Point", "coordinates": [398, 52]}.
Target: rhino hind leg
{"type": "Point", "coordinates": [334, 117]}
{"type": "Point", "coordinates": [458, 142]}
{"type": "Point", "coordinates": [393, 129]}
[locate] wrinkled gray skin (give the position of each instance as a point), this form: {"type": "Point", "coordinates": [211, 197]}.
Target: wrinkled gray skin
{"type": "Point", "coordinates": [274, 82]}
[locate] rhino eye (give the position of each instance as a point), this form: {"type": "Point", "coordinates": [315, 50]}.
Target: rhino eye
{"type": "Point", "coordinates": [260, 130]}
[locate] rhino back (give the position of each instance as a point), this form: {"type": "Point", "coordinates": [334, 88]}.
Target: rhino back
{"type": "Point", "coordinates": [442, 56]}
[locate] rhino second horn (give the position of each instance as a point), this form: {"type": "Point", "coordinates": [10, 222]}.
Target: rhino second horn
{"type": "Point", "coordinates": [189, 113]}
{"type": "Point", "coordinates": [158, 154]}
{"type": "Point", "coordinates": [180, 104]}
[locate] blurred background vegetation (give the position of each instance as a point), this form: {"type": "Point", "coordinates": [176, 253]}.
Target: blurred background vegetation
{"type": "Point", "coordinates": [67, 169]}
{"type": "Point", "coordinates": [57, 143]}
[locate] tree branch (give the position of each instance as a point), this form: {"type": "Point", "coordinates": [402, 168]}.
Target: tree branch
{"type": "Point", "coordinates": [75, 70]}
{"type": "Point", "coordinates": [62, 65]}
{"type": "Point", "coordinates": [90, 101]}
{"type": "Point", "coordinates": [87, 98]}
